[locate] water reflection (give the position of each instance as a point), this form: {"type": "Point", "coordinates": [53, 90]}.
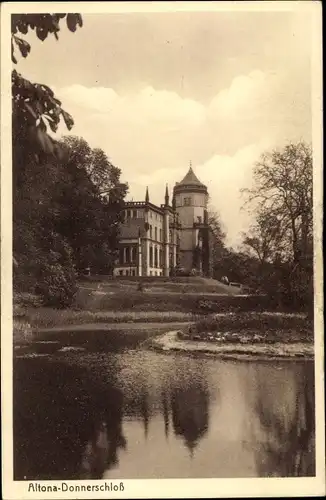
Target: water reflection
{"type": "Point", "coordinates": [95, 416]}
{"type": "Point", "coordinates": [287, 441]}
{"type": "Point", "coordinates": [190, 414]}
{"type": "Point", "coordinates": [66, 424]}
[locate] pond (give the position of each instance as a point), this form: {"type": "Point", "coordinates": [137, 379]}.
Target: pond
{"type": "Point", "coordinates": [142, 414]}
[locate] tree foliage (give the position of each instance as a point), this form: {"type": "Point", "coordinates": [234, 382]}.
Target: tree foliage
{"type": "Point", "coordinates": [91, 215]}
{"type": "Point", "coordinates": [35, 109]}
{"type": "Point", "coordinates": [67, 197]}
{"type": "Point", "coordinates": [62, 221]}
{"type": "Point", "coordinates": [217, 246]}
{"type": "Point", "coordinates": [282, 236]}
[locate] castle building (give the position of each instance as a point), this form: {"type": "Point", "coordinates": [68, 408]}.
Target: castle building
{"type": "Point", "coordinates": [158, 240]}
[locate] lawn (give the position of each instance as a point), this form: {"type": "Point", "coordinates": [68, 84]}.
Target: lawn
{"type": "Point", "coordinates": [251, 327]}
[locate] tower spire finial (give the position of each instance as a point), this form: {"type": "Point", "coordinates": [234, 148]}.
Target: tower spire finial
{"type": "Point", "coordinates": [147, 195]}
{"type": "Point", "coordinates": [167, 198]}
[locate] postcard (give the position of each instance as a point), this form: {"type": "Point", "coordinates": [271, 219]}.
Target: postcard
{"type": "Point", "coordinates": [161, 250]}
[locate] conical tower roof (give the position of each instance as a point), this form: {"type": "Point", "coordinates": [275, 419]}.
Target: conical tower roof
{"type": "Point", "coordinates": [190, 182]}
{"type": "Point", "coordinates": [190, 179]}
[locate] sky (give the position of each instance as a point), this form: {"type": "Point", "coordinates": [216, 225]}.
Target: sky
{"type": "Point", "coordinates": [158, 90]}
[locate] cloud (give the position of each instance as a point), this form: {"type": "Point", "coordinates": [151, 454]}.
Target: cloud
{"type": "Point", "coordinates": [244, 94]}
{"type": "Point", "coordinates": [225, 176]}
{"type": "Point", "coordinates": [152, 134]}
{"type": "Point", "coordinates": [159, 106]}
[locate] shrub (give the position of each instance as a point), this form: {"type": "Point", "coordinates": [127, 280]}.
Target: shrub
{"type": "Point", "coordinates": [56, 277]}
{"type": "Point", "coordinates": [57, 286]}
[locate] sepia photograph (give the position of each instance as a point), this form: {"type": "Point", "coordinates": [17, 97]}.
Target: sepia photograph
{"type": "Point", "coordinates": [161, 229]}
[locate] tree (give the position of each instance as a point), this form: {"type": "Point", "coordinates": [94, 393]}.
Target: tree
{"type": "Point", "coordinates": [91, 198]}
{"type": "Point", "coordinates": [282, 198]}
{"type": "Point", "coordinates": [217, 243]}
{"type": "Point", "coordinates": [44, 257]}
{"type": "Point", "coordinates": [35, 108]}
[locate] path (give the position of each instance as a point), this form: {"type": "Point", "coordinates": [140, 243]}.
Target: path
{"type": "Point", "coordinates": [91, 327]}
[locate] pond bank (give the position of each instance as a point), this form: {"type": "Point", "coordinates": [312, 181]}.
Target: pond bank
{"type": "Point", "coordinates": [294, 351]}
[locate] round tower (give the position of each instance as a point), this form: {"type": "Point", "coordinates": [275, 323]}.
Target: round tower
{"type": "Point", "coordinates": [191, 198]}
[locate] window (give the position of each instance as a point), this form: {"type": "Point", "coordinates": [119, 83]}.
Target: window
{"type": "Point", "coordinates": [150, 231]}
{"type": "Point", "coordinates": [127, 273]}
{"type": "Point", "coordinates": [187, 201]}
{"type": "Point", "coordinates": [121, 272]}
{"type": "Point", "coordinates": [128, 214]}
{"type": "Point", "coordinates": [160, 234]}
{"type": "Point", "coordinates": [134, 214]}
{"type": "Point", "coordinates": [150, 256]}
{"type": "Point", "coordinates": [155, 257]}
{"type": "Point", "coordinates": [199, 219]}
{"type": "Point", "coordinates": [121, 256]}
{"type": "Point", "coordinates": [150, 214]}
{"type": "Point", "coordinates": [155, 232]}
{"type": "Point", "coordinates": [127, 254]}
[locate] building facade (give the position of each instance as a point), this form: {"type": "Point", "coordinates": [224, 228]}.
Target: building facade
{"type": "Point", "coordinates": [161, 240]}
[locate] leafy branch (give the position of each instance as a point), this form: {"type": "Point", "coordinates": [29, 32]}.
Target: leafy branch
{"type": "Point", "coordinates": [35, 107]}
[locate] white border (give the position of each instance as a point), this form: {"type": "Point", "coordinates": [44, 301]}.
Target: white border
{"type": "Point", "coordinates": [191, 488]}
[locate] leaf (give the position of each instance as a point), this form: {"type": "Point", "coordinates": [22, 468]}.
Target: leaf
{"type": "Point", "coordinates": [30, 110]}
{"type": "Point", "coordinates": [45, 87]}
{"type": "Point", "coordinates": [72, 22]}
{"type": "Point", "coordinates": [79, 20]}
{"type": "Point", "coordinates": [53, 126]}
{"type": "Point", "coordinates": [23, 27]}
{"type": "Point", "coordinates": [44, 141]}
{"type": "Point", "coordinates": [39, 107]}
{"type": "Point", "coordinates": [41, 33]}
{"type": "Point", "coordinates": [67, 119]}
{"type": "Point", "coordinates": [23, 46]}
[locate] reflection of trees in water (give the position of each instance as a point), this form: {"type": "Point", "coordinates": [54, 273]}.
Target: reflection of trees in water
{"type": "Point", "coordinates": [289, 447]}
{"type": "Point", "coordinates": [66, 425]}
{"type": "Point", "coordinates": [187, 401]}
{"type": "Point", "coordinates": [180, 395]}
{"type": "Point", "coordinates": [101, 450]}
{"type": "Point", "coordinates": [190, 407]}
